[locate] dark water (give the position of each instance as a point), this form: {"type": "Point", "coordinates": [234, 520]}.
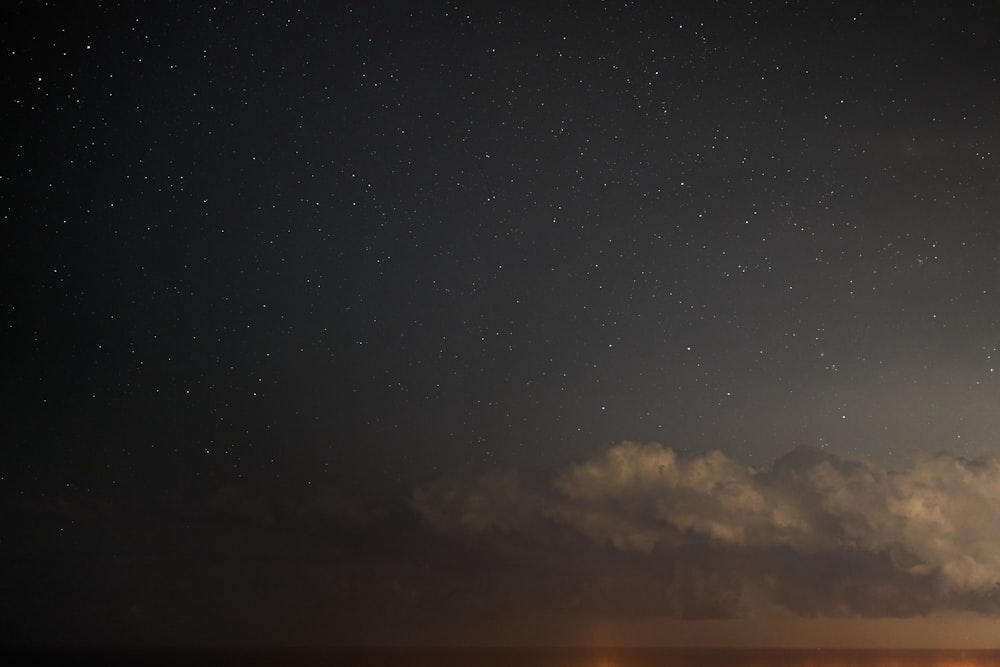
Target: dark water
{"type": "Point", "coordinates": [506, 658]}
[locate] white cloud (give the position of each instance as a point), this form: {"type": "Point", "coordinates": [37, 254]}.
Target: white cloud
{"type": "Point", "coordinates": [888, 541]}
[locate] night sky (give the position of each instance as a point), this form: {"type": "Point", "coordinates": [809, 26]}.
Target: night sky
{"type": "Point", "coordinates": [470, 322]}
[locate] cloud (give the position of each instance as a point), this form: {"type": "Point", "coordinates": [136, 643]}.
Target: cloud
{"type": "Point", "coordinates": [641, 529]}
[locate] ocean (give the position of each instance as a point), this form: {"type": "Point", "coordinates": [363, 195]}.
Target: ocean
{"type": "Point", "coordinates": [504, 657]}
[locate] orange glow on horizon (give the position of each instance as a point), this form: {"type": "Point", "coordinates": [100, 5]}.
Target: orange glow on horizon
{"type": "Point", "coordinates": [953, 631]}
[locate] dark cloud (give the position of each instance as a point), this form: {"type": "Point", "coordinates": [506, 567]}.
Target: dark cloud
{"type": "Point", "coordinates": [637, 531]}
{"type": "Point", "coordinates": [318, 506]}
{"type": "Point", "coordinates": [641, 529]}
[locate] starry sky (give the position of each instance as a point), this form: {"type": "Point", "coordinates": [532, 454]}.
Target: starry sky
{"type": "Point", "coordinates": [490, 322]}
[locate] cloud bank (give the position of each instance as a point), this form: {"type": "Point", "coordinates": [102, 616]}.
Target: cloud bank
{"type": "Point", "coordinates": [640, 529]}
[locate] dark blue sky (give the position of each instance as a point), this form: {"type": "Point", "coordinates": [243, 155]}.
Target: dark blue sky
{"type": "Point", "coordinates": [359, 247]}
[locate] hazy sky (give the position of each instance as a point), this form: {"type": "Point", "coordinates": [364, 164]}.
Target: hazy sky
{"type": "Point", "coordinates": [467, 322]}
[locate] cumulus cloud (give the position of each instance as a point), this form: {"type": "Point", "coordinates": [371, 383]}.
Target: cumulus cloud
{"type": "Point", "coordinates": [708, 535]}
